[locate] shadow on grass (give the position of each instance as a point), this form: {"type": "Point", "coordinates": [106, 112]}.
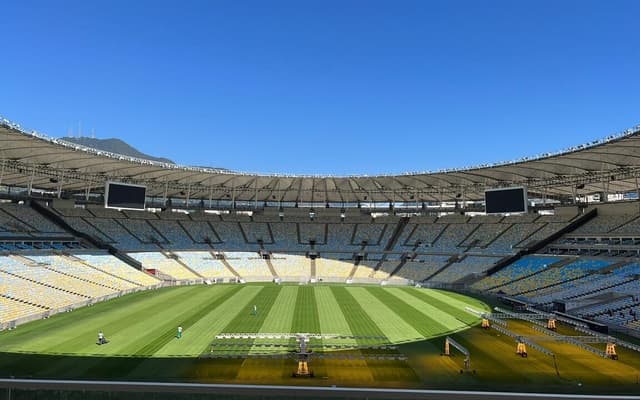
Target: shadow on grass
{"type": "Point", "coordinates": [20, 365]}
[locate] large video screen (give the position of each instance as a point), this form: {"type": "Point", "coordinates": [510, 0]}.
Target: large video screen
{"type": "Point", "coordinates": [506, 200]}
{"type": "Point", "coordinates": [123, 195]}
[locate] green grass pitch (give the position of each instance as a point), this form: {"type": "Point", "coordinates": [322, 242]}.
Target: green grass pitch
{"type": "Point", "coordinates": [142, 329]}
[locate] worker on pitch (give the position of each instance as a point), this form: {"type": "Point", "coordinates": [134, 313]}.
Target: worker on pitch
{"type": "Point", "coordinates": [179, 335]}
{"type": "Point", "coordinates": [101, 339]}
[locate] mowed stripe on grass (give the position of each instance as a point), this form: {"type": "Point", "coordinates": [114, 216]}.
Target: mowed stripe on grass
{"type": "Point", "coordinates": [278, 320]}
{"type": "Point", "coordinates": [198, 338]}
{"type": "Point", "coordinates": [164, 326]}
{"type": "Point", "coordinates": [361, 324]}
{"type": "Point", "coordinates": [305, 316]}
{"type": "Point", "coordinates": [280, 316]}
{"type": "Point", "coordinates": [421, 322]}
{"type": "Point", "coordinates": [450, 303]}
{"type": "Point", "coordinates": [246, 321]}
{"type": "Point", "coordinates": [436, 319]}
{"type": "Point", "coordinates": [332, 320]}
{"type": "Point", "coordinates": [394, 327]}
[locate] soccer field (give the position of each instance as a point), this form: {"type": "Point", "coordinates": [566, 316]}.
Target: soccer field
{"type": "Point", "coordinates": [145, 324]}
{"type": "Point", "coordinates": [409, 323]}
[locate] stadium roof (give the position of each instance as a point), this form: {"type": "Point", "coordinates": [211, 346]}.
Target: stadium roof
{"type": "Point", "coordinates": [35, 161]}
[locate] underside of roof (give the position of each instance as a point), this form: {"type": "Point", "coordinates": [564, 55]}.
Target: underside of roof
{"type": "Point", "coordinates": [34, 161]}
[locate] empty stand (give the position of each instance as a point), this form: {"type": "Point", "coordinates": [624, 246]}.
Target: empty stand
{"type": "Point", "coordinates": [249, 266]}
{"type": "Point", "coordinates": [165, 264]}
{"type": "Point", "coordinates": [291, 266]}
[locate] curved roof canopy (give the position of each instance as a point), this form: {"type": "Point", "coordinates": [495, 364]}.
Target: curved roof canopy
{"type": "Point", "coordinates": [32, 160]}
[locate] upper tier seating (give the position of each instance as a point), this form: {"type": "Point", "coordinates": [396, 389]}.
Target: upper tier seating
{"type": "Point", "coordinates": [73, 212]}
{"type": "Point", "coordinates": [339, 238]}
{"type": "Point", "coordinates": [285, 235]}
{"type": "Point", "coordinates": [308, 232]}
{"type": "Point", "coordinates": [28, 216]}
{"type": "Point", "coordinates": [256, 232]}
{"type": "Point", "coordinates": [80, 225]}
{"type": "Point", "coordinates": [452, 236]}
{"type": "Point", "coordinates": [516, 233]}
{"type": "Point", "coordinates": [469, 265]}
{"type": "Point", "coordinates": [422, 267]}
{"type": "Point", "coordinates": [376, 235]}
{"type": "Point", "coordinates": [631, 227]}
{"type": "Point", "coordinates": [484, 235]}
{"type": "Point", "coordinates": [175, 235]}
{"type": "Point", "coordinates": [542, 233]}
{"type": "Point", "coordinates": [523, 267]}
{"type": "Point", "coordinates": [422, 234]}
{"type": "Point", "coordinates": [232, 236]}
{"type": "Point", "coordinates": [553, 276]}
{"type": "Point", "coordinates": [123, 237]}
{"type": "Point", "coordinates": [620, 281]}
{"type": "Point", "coordinates": [604, 224]}
{"type": "Point", "coordinates": [201, 232]}
{"type": "Point", "coordinates": [143, 231]}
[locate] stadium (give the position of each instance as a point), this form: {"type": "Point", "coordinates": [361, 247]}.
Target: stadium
{"type": "Point", "coordinates": [121, 274]}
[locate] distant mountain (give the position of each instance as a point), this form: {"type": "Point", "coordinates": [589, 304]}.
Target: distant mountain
{"type": "Point", "coordinates": [114, 146]}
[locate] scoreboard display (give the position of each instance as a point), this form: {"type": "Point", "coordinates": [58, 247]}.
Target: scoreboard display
{"type": "Point", "coordinates": [506, 200]}
{"type": "Point", "coordinates": [124, 195]}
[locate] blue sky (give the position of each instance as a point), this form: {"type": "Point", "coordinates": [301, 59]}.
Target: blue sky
{"type": "Point", "coordinates": [325, 87]}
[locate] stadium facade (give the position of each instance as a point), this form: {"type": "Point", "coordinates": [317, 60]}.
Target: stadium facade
{"type": "Point", "coordinates": [575, 253]}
